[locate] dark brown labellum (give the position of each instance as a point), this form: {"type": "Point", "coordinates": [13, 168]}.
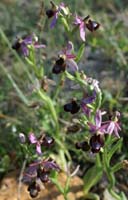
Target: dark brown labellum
{"type": "Point", "coordinates": [44, 177]}
{"type": "Point", "coordinates": [33, 193]}
{"type": "Point", "coordinates": [72, 107]}
{"type": "Point", "coordinates": [50, 13]}
{"type": "Point", "coordinates": [96, 142]}
{"type": "Point", "coordinates": [48, 141]}
{"type": "Point", "coordinates": [59, 66]}
{"type": "Point", "coordinates": [92, 25]}
{"type": "Point", "coordinates": [33, 189]}
{"type": "Point", "coordinates": [16, 45]}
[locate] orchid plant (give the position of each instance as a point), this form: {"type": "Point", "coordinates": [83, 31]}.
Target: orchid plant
{"type": "Point", "coordinates": [102, 137]}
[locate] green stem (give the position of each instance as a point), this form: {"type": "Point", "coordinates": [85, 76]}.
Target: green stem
{"type": "Point", "coordinates": [52, 110]}
{"type": "Point", "coordinates": [19, 92]}
{"type": "Point", "coordinates": [92, 196]}
{"type": "Point", "coordinates": [98, 161]}
{"type": "Point", "coordinates": [116, 196]}
{"type": "Point", "coordinates": [59, 86]}
{"type": "Point", "coordinates": [117, 167]}
{"type": "Point", "coordinates": [51, 107]}
{"type": "Point", "coordinates": [110, 174]}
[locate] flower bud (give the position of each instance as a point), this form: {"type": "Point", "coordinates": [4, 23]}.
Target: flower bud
{"type": "Point", "coordinates": [22, 138]}
{"type": "Point", "coordinates": [83, 146]}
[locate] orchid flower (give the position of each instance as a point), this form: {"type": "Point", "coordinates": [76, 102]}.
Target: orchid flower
{"type": "Point", "coordinates": [69, 57]}
{"type": "Point", "coordinates": [23, 44]}
{"type": "Point", "coordinates": [113, 126]}
{"type": "Point", "coordinates": [85, 23]}
{"type": "Point", "coordinates": [38, 168]}
{"type": "Point", "coordinates": [66, 59]}
{"type": "Point", "coordinates": [55, 11]}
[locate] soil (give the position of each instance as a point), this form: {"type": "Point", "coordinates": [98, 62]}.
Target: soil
{"type": "Point", "coordinates": [9, 189]}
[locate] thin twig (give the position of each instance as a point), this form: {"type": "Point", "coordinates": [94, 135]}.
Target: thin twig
{"type": "Point", "coordinates": [20, 178]}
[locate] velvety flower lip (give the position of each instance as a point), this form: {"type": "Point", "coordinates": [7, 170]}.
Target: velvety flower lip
{"type": "Point", "coordinates": [96, 142]}
{"type": "Point", "coordinates": [72, 107]}
{"type": "Point", "coordinates": [92, 25]}
{"type": "Point", "coordinates": [34, 189]}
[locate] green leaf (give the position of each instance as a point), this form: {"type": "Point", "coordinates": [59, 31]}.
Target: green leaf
{"type": "Point", "coordinates": [67, 185]}
{"type": "Point", "coordinates": [114, 149]}
{"type": "Point", "coordinates": [5, 162]}
{"type": "Point", "coordinates": [80, 52]}
{"type": "Point", "coordinates": [55, 181]}
{"type": "Point", "coordinates": [92, 176]}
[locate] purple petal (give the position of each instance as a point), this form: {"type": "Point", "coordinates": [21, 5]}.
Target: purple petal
{"type": "Point", "coordinates": [78, 20]}
{"type": "Point", "coordinates": [38, 149]}
{"type": "Point", "coordinates": [54, 20]}
{"type": "Point", "coordinates": [70, 46]}
{"type": "Point", "coordinates": [72, 64]}
{"type": "Point", "coordinates": [30, 174]}
{"type": "Point", "coordinates": [82, 31]}
{"type": "Point", "coordinates": [24, 49]}
{"type": "Point", "coordinates": [27, 40]}
{"type": "Point", "coordinates": [98, 119]}
{"type": "Point", "coordinates": [32, 138]}
{"type": "Point", "coordinates": [51, 165]}
{"type": "Point", "coordinates": [62, 5]}
{"type": "Point", "coordinates": [39, 46]}
{"type": "Point", "coordinates": [103, 128]}
{"type": "Point", "coordinates": [92, 127]}
{"type": "Point", "coordinates": [85, 109]}
{"type": "Point", "coordinates": [70, 56]}
{"type": "Point", "coordinates": [118, 127]}
{"type": "Point", "coordinates": [116, 132]}
{"type": "Point", "coordinates": [88, 100]}
{"type": "Point", "coordinates": [110, 128]}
